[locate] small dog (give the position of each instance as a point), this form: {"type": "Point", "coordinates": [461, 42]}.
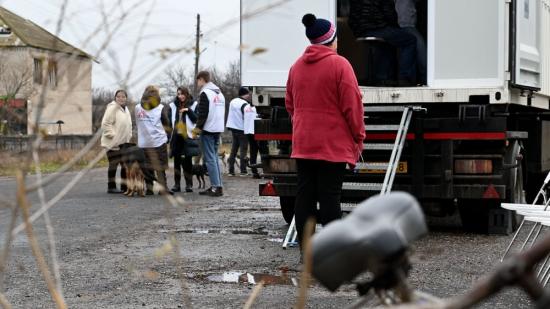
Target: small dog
{"type": "Point", "coordinates": [135, 180]}
{"type": "Point", "coordinates": [199, 170]}
{"type": "Point", "coordinates": [224, 157]}
{"type": "Point", "coordinates": [133, 159]}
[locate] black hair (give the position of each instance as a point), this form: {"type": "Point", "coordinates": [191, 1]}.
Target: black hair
{"type": "Point", "coordinates": [121, 90]}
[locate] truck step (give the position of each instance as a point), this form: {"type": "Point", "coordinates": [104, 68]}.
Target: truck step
{"type": "Point", "coordinates": [385, 108]}
{"type": "Point", "coordinates": [381, 127]}
{"type": "Point", "coordinates": [362, 186]}
{"type": "Point", "coordinates": [372, 166]}
{"type": "Point", "coordinates": [374, 146]}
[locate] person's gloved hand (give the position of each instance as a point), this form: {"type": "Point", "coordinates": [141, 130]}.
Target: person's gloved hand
{"type": "Point", "coordinates": [196, 132]}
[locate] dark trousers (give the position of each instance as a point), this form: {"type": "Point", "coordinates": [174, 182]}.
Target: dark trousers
{"type": "Point", "coordinates": [239, 142]}
{"type": "Point", "coordinates": [156, 162]}
{"type": "Point", "coordinates": [187, 164]}
{"type": "Point", "coordinates": [253, 151]}
{"type": "Point", "coordinates": [115, 159]}
{"type": "Point", "coordinates": [318, 182]}
{"type": "Point", "coordinates": [406, 43]}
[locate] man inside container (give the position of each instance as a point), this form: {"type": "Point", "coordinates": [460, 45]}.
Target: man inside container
{"type": "Point", "coordinates": [378, 18]}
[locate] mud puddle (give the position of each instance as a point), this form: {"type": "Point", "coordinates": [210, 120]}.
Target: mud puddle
{"type": "Point", "coordinates": [248, 278]}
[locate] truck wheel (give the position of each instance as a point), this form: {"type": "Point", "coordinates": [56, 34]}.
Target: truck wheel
{"type": "Point", "coordinates": [515, 183]}
{"type": "Point", "coordinates": [287, 207]}
{"type": "Point", "coordinates": [474, 215]}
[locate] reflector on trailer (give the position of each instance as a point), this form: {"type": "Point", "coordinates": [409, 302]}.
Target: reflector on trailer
{"type": "Point", "coordinates": [269, 189]}
{"type": "Point", "coordinates": [491, 193]}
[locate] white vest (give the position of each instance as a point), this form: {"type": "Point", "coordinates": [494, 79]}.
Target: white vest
{"type": "Point", "coordinates": [249, 116]}
{"type": "Point", "coordinates": [150, 132]}
{"type": "Point", "coordinates": [188, 123]}
{"type": "Point", "coordinates": [216, 111]}
{"type": "Point", "coordinates": [235, 116]}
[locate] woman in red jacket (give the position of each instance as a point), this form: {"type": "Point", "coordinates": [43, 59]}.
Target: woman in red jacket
{"type": "Point", "coordinates": [324, 102]}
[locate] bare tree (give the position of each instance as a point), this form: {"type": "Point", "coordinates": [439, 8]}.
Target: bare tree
{"type": "Point", "coordinates": [100, 98]}
{"type": "Point", "coordinates": [15, 76]}
{"type": "Point", "coordinates": [175, 77]}
{"type": "Point", "coordinates": [15, 80]}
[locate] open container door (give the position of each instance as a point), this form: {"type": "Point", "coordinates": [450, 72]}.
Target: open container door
{"type": "Point", "coordinates": [466, 41]}
{"type": "Point", "coordinates": [525, 58]}
{"type": "Point", "coordinates": [273, 37]}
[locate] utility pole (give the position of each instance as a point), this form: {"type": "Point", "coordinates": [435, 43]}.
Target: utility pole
{"type": "Point", "coordinates": [197, 53]}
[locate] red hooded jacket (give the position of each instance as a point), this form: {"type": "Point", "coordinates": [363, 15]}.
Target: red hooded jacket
{"type": "Point", "coordinates": [324, 102]}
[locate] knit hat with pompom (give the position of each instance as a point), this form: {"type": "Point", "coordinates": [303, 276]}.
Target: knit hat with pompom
{"type": "Point", "coordinates": [318, 30]}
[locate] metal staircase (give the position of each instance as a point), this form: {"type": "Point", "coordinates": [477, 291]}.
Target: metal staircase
{"type": "Point", "coordinates": [390, 167]}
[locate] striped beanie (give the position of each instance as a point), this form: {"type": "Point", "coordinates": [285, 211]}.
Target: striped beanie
{"type": "Point", "coordinates": [319, 31]}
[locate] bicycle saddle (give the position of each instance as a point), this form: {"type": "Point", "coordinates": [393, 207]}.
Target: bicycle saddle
{"type": "Point", "coordinates": [377, 230]}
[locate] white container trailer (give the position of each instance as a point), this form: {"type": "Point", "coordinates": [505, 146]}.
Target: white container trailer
{"type": "Point", "coordinates": [487, 97]}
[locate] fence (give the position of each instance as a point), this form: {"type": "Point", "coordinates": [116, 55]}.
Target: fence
{"type": "Point", "coordinates": [53, 142]}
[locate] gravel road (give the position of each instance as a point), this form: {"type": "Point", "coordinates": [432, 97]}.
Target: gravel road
{"type": "Point", "coordinates": [115, 252]}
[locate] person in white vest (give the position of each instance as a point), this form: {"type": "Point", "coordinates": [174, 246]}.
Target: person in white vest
{"type": "Point", "coordinates": [153, 129]}
{"type": "Point", "coordinates": [117, 130]}
{"type": "Point", "coordinates": [210, 123]}
{"type": "Point", "coordinates": [183, 122]}
{"type": "Point", "coordinates": [235, 124]}
{"type": "Point", "coordinates": [250, 115]}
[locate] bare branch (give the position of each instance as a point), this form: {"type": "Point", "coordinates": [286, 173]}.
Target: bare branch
{"type": "Point", "coordinates": [61, 194]}
{"type": "Point", "coordinates": [52, 177]}
{"type": "Point", "coordinates": [49, 227]}
{"type": "Point", "coordinates": [4, 302]}
{"type": "Point", "coordinates": [257, 289]}
{"type": "Point", "coordinates": [35, 247]}
{"type": "Point", "coordinates": [308, 261]}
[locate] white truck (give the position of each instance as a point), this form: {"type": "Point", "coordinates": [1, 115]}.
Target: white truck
{"type": "Point", "coordinates": [484, 137]}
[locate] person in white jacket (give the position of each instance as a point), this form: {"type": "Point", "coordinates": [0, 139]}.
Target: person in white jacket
{"type": "Point", "coordinates": [117, 130]}
{"type": "Point", "coordinates": [235, 124]}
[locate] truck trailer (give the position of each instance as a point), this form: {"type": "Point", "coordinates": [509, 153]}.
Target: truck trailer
{"type": "Point", "coordinates": [479, 133]}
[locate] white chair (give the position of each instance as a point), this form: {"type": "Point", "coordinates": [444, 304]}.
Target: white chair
{"type": "Point", "coordinates": [537, 212]}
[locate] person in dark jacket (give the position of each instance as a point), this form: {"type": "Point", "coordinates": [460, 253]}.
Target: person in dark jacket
{"type": "Point", "coordinates": [183, 121]}
{"type": "Point", "coordinates": [153, 128]}
{"type": "Point", "coordinates": [378, 18]}
{"type": "Point", "coordinates": [327, 123]}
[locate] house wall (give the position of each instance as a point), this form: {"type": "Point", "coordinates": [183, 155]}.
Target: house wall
{"type": "Point", "coordinates": [69, 101]}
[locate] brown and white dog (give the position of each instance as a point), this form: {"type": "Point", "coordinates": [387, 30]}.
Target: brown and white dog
{"type": "Point", "coordinates": [133, 159]}
{"type": "Point", "coordinates": [135, 180]}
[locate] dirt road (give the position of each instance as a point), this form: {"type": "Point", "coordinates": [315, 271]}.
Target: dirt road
{"type": "Point", "coordinates": [115, 252]}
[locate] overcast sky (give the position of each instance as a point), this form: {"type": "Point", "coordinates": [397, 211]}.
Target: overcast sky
{"type": "Point", "coordinates": [170, 24]}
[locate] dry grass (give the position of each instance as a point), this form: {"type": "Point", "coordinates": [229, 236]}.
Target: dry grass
{"type": "Point", "coordinates": [51, 161]}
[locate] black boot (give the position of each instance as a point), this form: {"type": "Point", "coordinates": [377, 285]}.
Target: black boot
{"type": "Point", "coordinates": [188, 182]}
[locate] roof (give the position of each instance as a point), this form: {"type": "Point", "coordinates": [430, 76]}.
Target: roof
{"type": "Point", "coordinates": [33, 35]}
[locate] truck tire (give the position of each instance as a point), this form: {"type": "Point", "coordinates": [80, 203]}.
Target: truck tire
{"type": "Point", "coordinates": [486, 216]}
{"type": "Point", "coordinates": [474, 215]}
{"type": "Point", "coordinates": [287, 207]}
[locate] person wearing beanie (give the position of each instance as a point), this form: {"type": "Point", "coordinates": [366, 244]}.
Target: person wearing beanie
{"type": "Point", "coordinates": [327, 123]}
{"type": "Point", "coordinates": [378, 18]}
{"type": "Point", "coordinates": [235, 124]}
{"type": "Point", "coordinates": [210, 120]}
{"type": "Point", "coordinates": [153, 129]}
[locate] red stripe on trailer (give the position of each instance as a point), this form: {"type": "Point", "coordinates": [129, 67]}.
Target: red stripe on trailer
{"type": "Point", "coordinates": [385, 136]}
{"type": "Point", "coordinates": [410, 136]}
{"type": "Point", "coordinates": [466, 136]}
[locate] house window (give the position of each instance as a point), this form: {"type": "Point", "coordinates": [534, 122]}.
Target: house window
{"type": "Point", "coordinates": [52, 74]}
{"type": "Point", "coordinates": [38, 71]}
